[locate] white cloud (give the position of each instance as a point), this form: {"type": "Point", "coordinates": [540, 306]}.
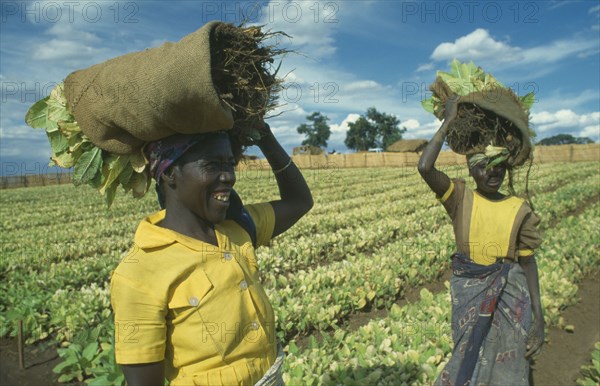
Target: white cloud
{"type": "Point", "coordinates": [592, 131]}
{"type": "Point", "coordinates": [559, 99]}
{"type": "Point", "coordinates": [554, 4]}
{"type": "Point", "coordinates": [417, 131]}
{"type": "Point", "coordinates": [338, 132]}
{"type": "Point", "coordinates": [476, 46]}
{"type": "Point", "coordinates": [361, 85]}
{"type": "Point", "coordinates": [57, 49]}
{"type": "Point", "coordinates": [483, 49]}
{"type": "Point", "coordinates": [68, 31]}
{"type": "Point", "coordinates": [308, 23]}
{"type": "Point", "coordinates": [547, 123]}
{"type": "Point", "coordinates": [20, 132]}
{"type": "Point", "coordinates": [425, 67]}
{"type": "Point", "coordinates": [559, 50]}
{"type": "Point", "coordinates": [343, 126]}
{"type": "Point", "coordinates": [411, 124]}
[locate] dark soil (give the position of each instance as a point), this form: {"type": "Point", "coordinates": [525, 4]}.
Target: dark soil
{"type": "Point", "coordinates": [39, 362]}
{"type": "Point", "coordinates": [564, 353]}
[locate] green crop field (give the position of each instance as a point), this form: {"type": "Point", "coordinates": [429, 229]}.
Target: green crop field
{"type": "Point", "coordinates": [373, 235]}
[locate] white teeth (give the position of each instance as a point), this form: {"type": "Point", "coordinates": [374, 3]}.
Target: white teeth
{"type": "Point", "coordinates": [223, 197]}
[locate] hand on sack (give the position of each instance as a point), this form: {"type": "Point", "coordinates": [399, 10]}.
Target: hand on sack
{"type": "Point", "coordinates": [451, 109]}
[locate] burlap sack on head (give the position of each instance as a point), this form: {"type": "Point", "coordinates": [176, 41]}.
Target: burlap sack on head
{"type": "Point", "coordinates": [148, 95]}
{"type": "Point", "coordinates": [504, 103]}
{"type": "Point", "coordinates": [494, 102]}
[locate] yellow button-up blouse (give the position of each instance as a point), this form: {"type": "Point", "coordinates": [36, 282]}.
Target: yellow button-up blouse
{"type": "Point", "coordinates": [197, 306]}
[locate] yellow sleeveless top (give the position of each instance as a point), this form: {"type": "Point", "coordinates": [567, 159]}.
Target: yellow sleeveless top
{"type": "Point", "coordinates": [485, 229]}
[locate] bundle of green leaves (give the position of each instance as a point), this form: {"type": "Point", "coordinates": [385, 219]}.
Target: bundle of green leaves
{"type": "Point", "coordinates": [464, 79]}
{"type": "Point", "coordinates": [71, 148]}
{"type": "Point", "coordinates": [475, 126]}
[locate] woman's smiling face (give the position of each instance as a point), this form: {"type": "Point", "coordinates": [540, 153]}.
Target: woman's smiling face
{"type": "Point", "coordinates": [205, 177]}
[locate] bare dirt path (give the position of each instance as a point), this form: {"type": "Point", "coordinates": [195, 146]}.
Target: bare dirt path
{"type": "Point", "coordinates": [564, 353]}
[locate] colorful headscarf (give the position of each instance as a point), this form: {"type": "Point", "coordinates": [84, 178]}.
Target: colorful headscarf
{"type": "Point", "coordinates": [494, 155]}
{"type": "Point", "coordinates": [163, 153]}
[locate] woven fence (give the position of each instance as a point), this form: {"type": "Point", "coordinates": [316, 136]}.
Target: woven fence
{"type": "Point", "coordinates": [542, 154]}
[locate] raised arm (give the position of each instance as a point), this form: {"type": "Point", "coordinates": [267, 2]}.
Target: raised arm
{"type": "Point", "coordinates": [296, 199]}
{"type": "Point", "coordinates": [437, 180]}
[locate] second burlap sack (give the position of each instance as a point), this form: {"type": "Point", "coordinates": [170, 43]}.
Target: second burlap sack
{"type": "Point", "coordinates": [494, 115]}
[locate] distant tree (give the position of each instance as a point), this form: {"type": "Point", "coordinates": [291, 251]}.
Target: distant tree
{"type": "Point", "coordinates": [317, 132]}
{"type": "Point", "coordinates": [564, 139]}
{"type": "Point", "coordinates": [361, 135]}
{"type": "Point", "coordinates": [373, 129]}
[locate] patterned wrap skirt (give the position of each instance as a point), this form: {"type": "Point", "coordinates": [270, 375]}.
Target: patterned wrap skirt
{"type": "Point", "coordinates": [491, 314]}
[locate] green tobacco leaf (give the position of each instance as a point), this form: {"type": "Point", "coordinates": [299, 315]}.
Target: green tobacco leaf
{"type": "Point", "coordinates": [36, 116]}
{"type": "Point", "coordinates": [65, 160]}
{"type": "Point", "coordinates": [463, 70]}
{"type": "Point", "coordinates": [138, 162]}
{"type": "Point", "coordinates": [51, 126]}
{"type": "Point", "coordinates": [75, 142]}
{"type": "Point", "coordinates": [88, 166]}
{"type": "Point", "coordinates": [139, 184]}
{"type": "Point", "coordinates": [57, 95]}
{"type": "Point", "coordinates": [59, 113]}
{"type": "Point", "coordinates": [116, 164]}
{"type": "Point", "coordinates": [98, 179]}
{"type": "Point", "coordinates": [55, 104]}
{"type": "Point", "coordinates": [90, 350]}
{"type": "Point", "coordinates": [496, 161]}
{"type": "Point", "coordinates": [454, 68]}
{"type": "Point", "coordinates": [110, 193]}
{"type": "Point", "coordinates": [459, 86]}
{"type": "Point", "coordinates": [69, 128]}
{"type": "Point", "coordinates": [490, 80]}
{"type": "Point", "coordinates": [58, 142]}
{"type": "Point", "coordinates": [66, 378]}
{"type": "Point", "coordinates": [125, 177]}
{"type": "Point", "coordinates": [527, 100]}
{"type": "Point", "coordinates": [427, 105]}
{"type": "Point", "coordinates": [59, 367]}
{"type": "Point", "coordinates": [99, 381]}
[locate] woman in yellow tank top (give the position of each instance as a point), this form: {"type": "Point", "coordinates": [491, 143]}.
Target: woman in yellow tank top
{"type": "Point", "coordinates": [497, 318]}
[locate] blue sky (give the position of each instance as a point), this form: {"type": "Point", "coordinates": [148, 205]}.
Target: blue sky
{"type": "Point", "coordinates": [354, 55]}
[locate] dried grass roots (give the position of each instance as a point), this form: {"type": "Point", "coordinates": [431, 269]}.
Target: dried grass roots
{"type": "Point", "coordinates": [474, 128]}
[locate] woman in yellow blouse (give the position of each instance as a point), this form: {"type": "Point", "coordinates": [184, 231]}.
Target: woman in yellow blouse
{"type": "Point", "coordinates": [497, 318]}
{"type": "Point", "coordinates": [187, 300]}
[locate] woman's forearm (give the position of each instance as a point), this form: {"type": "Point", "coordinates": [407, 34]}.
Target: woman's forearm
{"type": "Point", "coordinates": [432, 150]}
{"type": "Point", "coordinates": [296, 198]}
{"type": "Point", "coordinates": [291, 183]}
{"type": "Point", "coordinates": [437, 181]}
